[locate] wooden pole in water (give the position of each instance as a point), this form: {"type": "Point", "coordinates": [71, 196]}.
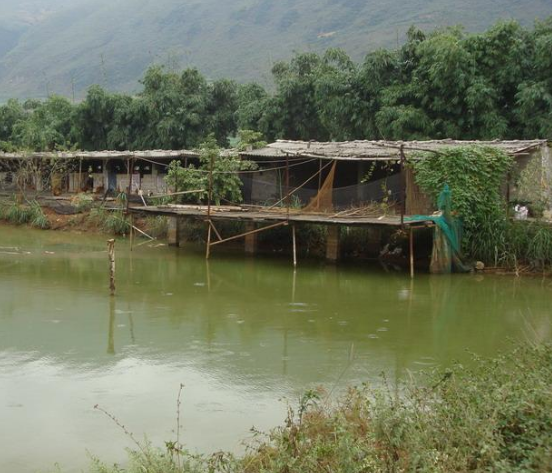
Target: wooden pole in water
{"type": "Point", "coordinates": [111, 256]}
{"type": "Point", "coordinates": [288, 201]}
{"type": "Point", "coordinates": [411, 252]}
{"type": "Point", "coordinates": [131, 231]}
{"type": "Point", "coordinates": [208, 251]}
{"type": "Point", "coordinates": [294, 246]}
{"type": "Point", "coordinates": [403, 185]}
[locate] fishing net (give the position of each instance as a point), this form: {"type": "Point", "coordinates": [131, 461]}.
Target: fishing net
{"type": "Point", "coordinates": [323, 201]}
{"type": "Point", "coordinates": [377, 196]}
{"type": "Point", "coordinates": [447, 251]}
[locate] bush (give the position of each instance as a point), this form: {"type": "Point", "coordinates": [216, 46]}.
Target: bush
{"type": "Point", "coordinates": [156, 226]}
{"type": "Point", "coordinates": [496, 416]}
{"type": "Point", "coordinates": [110, 221]}
{"type": "Point", "coordinates": [20, 214]}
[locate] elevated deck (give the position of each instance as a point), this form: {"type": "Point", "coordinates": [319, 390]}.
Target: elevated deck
{"type": "Point", "coordinates": [266, 215]}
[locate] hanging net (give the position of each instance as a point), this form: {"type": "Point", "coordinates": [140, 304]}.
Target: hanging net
{"type": "Point", "coordinates": [323, 200]}
{"type": "Point", "coordinates": [447, 249]}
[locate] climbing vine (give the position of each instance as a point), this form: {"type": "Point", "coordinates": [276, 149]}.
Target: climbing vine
{"type": "Point", "coordinates": [475, 175]}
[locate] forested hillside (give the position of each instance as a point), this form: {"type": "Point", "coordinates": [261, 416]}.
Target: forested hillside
{"type": "Point", "coordinates": [63, 46]}
{"type": "Point", "coordinates": [447, 84]}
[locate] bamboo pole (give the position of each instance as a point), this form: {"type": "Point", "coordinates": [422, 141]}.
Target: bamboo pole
{"type": "Point", "coordinates": [294, 246]}
{"type": "Point", "coordinates": [411, 252]}
{"type": "Point", "coordinates": [196, 191]}
{"type": "Point", "coordinates": [208, 250]}
{"type": "Point", "coordinates": [403, 185]}
{"type": "Point", "coordinates": [288, 200]}
{"type": "Point", "coordinates": [317, 173]}
{"type": "Point", "coordinates": [241, 235]}
{"type": "Point", "coordinates": [130, 166]}
{"type": "Point", "coordinates": [111, 256]}
{"type": "Point", "coordinates": [79, 190]}
{"type": "Point", "coordinates": [319, 184]}
{"type": "Point", "coordinates": [210, 194]}
{"type": "Point", "coordinates": [215, 230]}
{"type": "Point", "coordinates": [111, 331]}
{"type": "Point", "coordinates": [131, 231]}
{"type": "Point", "coordinates": [143, 233]}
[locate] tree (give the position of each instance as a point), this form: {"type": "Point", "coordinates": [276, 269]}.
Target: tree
{"type": "Point", "coordinates": [533, 100]}
{"type": "Point", "coordinates": [226, 182]}
{"type": "Point", "coordinates": [47, 128]}
{"type": "Point", "coordinates": [10, 114]}
{"type": "Point", "coordinates": [221, 110]}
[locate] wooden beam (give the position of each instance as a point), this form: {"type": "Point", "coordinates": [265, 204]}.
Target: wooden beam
{"type": "Point", "coordinates": [257, 230]}
{"type": "Point", "coordinates": [294, 246]}
{"type": "Point", "coordinates": [215, 229]}
{"type": "Point", "coordinates": [411, 252]}
{"type": "Point", "coordinates": [208, 250]}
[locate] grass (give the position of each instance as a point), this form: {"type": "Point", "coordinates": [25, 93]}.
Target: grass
{"type": "Point", "coordinates": [23, 213]}
{"type": "Point", "coordinates": [156, 226]}
{"type": "Point", "coordinates": [495, 416]}
{"type": "Point", "coordinates": [109, 221]}
{"type": "Point", "coordinates": [514, 243]}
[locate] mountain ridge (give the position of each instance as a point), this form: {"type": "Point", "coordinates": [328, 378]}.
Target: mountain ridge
{"type": "Point", "coordinates": [68, 46]}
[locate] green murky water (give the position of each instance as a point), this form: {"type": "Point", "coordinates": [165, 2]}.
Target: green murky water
{"type": "Point", "coordinates": [242, 334]}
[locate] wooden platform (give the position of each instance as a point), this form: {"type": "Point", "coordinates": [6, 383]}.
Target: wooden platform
{"type": "Point", "coordinates": [256, 215]}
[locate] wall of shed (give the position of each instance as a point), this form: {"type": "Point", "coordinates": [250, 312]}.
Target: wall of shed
{"type": "Point", "coordinates": [417, 201]}
{"type": "Point", "coordinates": [149, 183]}
{"type": "Point", "coordinates": [531, 180]}
{"type": "Point", "coordinates": [265, 187]}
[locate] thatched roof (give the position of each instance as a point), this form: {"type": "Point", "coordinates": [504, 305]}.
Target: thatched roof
{"type": "Point", "coordinates": [151, 154]}
{"type": "Point", "coordinates": [377, 150]}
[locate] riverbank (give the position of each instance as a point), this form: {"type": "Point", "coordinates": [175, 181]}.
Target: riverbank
{"type": "Point", "coordinates": [525, 246]}
{"type": "Point", "coordinates": [495, 416]}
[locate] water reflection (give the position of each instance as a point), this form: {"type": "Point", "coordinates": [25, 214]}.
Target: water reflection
{"type": "Point", "coordinates": [239, 333]}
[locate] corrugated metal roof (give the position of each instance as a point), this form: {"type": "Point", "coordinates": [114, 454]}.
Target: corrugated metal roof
{"type": "Point", "coordinates": [377, 150]}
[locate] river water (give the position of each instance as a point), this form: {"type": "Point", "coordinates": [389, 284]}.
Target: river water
{"type": "Point", "coordinates": [245, 336]}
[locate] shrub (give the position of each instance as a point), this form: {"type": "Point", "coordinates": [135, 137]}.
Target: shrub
{"type": "Point", "coordinates": [110, 221]}
{"type": "Point", "coordinates": [495, 416]}
{"type": "Point", "coordinates": [156, 226]}
{"type": "Point", "coordinates": [19, 214]}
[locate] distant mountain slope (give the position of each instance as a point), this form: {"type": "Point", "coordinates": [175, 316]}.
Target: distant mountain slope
{"type": "Point", "coordinates": [69, 44]}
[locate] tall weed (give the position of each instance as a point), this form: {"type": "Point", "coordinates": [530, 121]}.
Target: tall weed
{"type": "Point", "coordinates": [496, 416]}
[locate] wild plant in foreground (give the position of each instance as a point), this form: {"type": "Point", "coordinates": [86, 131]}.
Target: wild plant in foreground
{"type": "Point", "coordinates": [495, 416]}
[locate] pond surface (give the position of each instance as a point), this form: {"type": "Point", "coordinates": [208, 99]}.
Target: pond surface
{"type": "Point", "coordinates": [243, 335]}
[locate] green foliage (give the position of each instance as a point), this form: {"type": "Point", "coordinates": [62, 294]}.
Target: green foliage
{"type": "Point", "coordinates": [442, 84]}
{"type": "Point", "coordinates": [249, 139]}
{"type": "Point", "coordinates": [47, 128]}
{"type": "Point", "coordinates": [474, 175]}
{"type": "Point", "coordinates": [156, 226]}
{"type": "Point", "coordinates": [514, 244]}
{"type": "Point", "coordinates": [82, 202]}
{"type": "Point", "coordinates": [226, 183]}
{"type": "Point", "coordinates": [495, 416]}
{"type": "Point", "coordinates": [30, 213]}
{"type": "Point", "coordinates": [10, 114]}
{"type": "Point", "coordinates": [109, 221]}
